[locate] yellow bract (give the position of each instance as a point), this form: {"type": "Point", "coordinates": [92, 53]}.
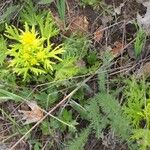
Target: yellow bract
{"type": "Point", "coordinates": [41, 55]}
{"type": "Point", "coordinates": [26, 56]}
{"type": "Point", "coordinates": [28, 38]}
{"type": "Point", "coordinates": [34, 61]}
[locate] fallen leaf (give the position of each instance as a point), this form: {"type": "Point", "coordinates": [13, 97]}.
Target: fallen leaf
{"type": "Point", "coordinates": [118, 49]}
{"type": "Point", "coordinates": [98, 34]}
{"type": "Point", "coordinates": [34, 115]}
{"type": "Point", "coordinates": [79, 23]}
{"type": "Point", "coordinates": [144, 70]}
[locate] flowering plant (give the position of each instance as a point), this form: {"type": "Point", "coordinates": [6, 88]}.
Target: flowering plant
{"type": "Point", "coordinates": [31, 53]}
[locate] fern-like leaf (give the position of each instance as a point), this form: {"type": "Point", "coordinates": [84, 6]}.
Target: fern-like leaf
{"type": "Point", "coordinates": [12, 33]}
{"type": "Point", "coordinates": [47, 26]}
{"type": "Point", "coordinates": [114, 113]}
{"type": "Point", "coordinates": [143, 137]}
{"type": "Point", "coordinates": [76, 47]}
{"type": "Point", "coordinates": [3, 50]}
{"type": "Point", "coordinates": [79, 142]}
{"type": "Point", "coordinates": [57, 50]}
{"type": "Point", "coordinates": [135, 93]}
{"type": "Point", "coordinates": [66, 69]}
{"type": "Point", "coordinates": [29, 14]}
{"type": "Point", "coordinates": [98, 122]}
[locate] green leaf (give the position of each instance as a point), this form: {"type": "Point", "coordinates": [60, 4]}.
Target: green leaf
{"type": "Point", "coordinates": [112, 109]}
{"type": "Point", "coordinates": [143, 138]}
{"type": "Point", "coordinates": [47, 26]}
{"type": "Point", "coordinates": [61, 7]}
{"type": "Point", "coordinates": [98, 123]}
{"type": "Point", "coordinates": [135, 93]}
{"type": "Point", "coordinates": [3, 50]}
{"type": "Point", "coordinates": [12, 32]}
{"type": "Point", "coordinates": [45, 127]}
{"type": "Point", "coordinates": [10, 96]}
{"type": "Point", "coordinates": [92, 58]}
{"type": "Point", "coordinates": [37, 71]}
{"type": "Point", "coordinates": [66, 117]}
{"type": "Point", "coordinates": [76, 47]}
{"type": "Point", "coordinates": [66, 69]}
{"type": "Point", "coordinates": [29, 14]}
{"type": "Point", "coordinates": [48, 97]}
{"type": "Point", "coordinates": [79, 142]}
{"type": "Point", "coordinates": [139, 41]}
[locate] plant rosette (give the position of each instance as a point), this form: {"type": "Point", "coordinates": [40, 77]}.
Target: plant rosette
{"type": "Point", "coordinates": [31, 53]}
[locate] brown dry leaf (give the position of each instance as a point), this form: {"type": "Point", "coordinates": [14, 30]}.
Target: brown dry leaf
{"type": "Point", "coordinates": [118, 49]}
{"type": "Point", "coordinates": [144, 70]}
{"type": "Point", "coordinates": [32, 116]}
{"type": "Point", "coordinates": [79, 23]}
{"type": "Point", "coordinates": [98, 34]}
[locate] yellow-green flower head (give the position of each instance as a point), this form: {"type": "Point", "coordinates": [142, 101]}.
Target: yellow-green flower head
{"type": "Point", "coordinates": [29, 37]}
{"type": "Point", "coordinates": [32, 52]}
